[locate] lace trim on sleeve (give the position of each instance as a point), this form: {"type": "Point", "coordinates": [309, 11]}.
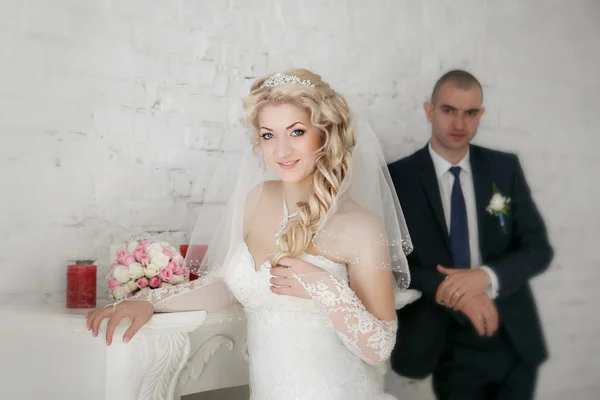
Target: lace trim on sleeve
{"type": "Point", "coordinates": [204, 293]}
{"type": "Point", "coordinates": [367, 337]}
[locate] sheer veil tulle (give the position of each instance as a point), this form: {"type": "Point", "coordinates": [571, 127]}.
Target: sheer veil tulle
{"type": "Point", "coordinates": [364, 219]}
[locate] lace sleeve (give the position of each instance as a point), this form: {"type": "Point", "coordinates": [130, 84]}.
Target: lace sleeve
{"type": "Point", "coordinates": [205, 293]}
{"type": "Point", "coordinates": [369, 338]}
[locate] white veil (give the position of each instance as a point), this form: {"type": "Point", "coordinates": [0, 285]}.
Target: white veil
{"type": "Point", "coordinates": [368, 188]}
{"type": "Point", "coordinates": [365, 214]}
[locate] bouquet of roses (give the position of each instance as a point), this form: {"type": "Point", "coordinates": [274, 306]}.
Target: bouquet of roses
{"type": "Point", "coordinates": [144, 265]}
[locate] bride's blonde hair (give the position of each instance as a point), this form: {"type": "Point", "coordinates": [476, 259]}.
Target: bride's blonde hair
{"type": "Point", "coordinates": [329, 112]}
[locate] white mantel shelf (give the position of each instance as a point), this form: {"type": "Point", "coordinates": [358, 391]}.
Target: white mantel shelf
{"type": "Point", "coordinates": [46, 353]}
{"type": "Point", "coordinates": [56, 317]}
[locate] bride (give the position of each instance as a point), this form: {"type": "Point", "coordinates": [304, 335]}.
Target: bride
{"type": "Point", "coordinates": [313, 247]}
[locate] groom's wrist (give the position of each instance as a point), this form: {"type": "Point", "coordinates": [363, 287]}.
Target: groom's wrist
{"type": "Point", "coordinates": [493, 287]}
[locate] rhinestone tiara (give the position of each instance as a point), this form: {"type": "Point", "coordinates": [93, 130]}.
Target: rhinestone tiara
{"type": "Point", "coordinates": [281, 79]}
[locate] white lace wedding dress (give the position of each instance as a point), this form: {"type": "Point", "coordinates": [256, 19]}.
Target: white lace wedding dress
{"type": "Point", "coordinates": [329, 347]}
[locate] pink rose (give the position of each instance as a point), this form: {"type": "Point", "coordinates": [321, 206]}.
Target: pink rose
{"type": "Point", "coordinates": [154, 282]}
{"type": "Point", "coordinates": [113, 283]}
{"type": "Point", "coordinates": [166, 274]}
{"type": "Point", "coordinates": [142, 283]}
{"type": "Point", "coordinates": [128, 260]}
{"type": "Point", "coordinates": [172, 266]}
{"type": "Point", "coordinates": [168, 252]}
{"type": "Point", "coordinates": [181, 271]}
{"type": "Point", "coordinates": [113, 266]}
{"type": "Point", "coordinates": [139, 252]}
{"type": "Point", "coordinates": [144, 259]}
{"type": "Point", "coordinates": [145, 243]}
{"type": "Point", "coordinates": [121, 253]}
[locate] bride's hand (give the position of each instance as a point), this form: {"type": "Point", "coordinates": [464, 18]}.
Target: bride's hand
{"type": "Point", "coordinates": [284, 282]}
{"type": "Point", "coordinates": [138, 311]}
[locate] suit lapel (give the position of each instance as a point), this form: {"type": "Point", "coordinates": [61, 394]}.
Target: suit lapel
{"type": "Point", "coordinates": [482, 183]}
{"type": "Point", "coordinates": [429, 181]}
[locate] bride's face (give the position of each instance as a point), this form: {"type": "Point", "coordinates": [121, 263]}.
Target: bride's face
{"type": "Point", "coordinates": [289, 142]}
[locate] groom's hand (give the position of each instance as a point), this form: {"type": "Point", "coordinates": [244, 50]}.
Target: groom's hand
{"type": "Point", "coordinates": [482, 313]}
{"type": "Point", "coordinates": [461, 285]}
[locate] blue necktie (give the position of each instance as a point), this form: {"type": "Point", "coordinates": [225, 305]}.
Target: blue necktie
{"type": "Point", "coordinates": [459, 230]}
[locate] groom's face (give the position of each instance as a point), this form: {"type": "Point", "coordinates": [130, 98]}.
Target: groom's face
{"type": "Point", "coordinates": [454, 115]}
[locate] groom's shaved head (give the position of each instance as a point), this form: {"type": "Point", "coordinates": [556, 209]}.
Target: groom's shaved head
{"type": "Point", "coordinates": [454, 113]}
{"type": "Point", "coordinates": [461, 79]}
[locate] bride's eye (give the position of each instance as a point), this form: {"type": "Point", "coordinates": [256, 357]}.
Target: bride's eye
{"type": "Point", "coordinates": [267, 136]}
{"type": "Point", "coordinates": [298, 132]}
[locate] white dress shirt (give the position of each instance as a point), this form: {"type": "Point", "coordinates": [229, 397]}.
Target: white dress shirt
{"type": "Point", "coordinates": [445, 182]}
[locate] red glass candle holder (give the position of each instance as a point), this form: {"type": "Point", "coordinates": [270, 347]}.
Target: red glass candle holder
{"type": "Point", "coordinates": [199, 253]}
{"type": "Point", "coordinates": [183, 249]}
{"type": "Point", "coordinates": [81, 286]}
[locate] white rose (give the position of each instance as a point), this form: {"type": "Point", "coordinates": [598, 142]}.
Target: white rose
{"type": "Point", "coordinates": [164, 244]}
{"type": "Point", "coordinates": [175, 279]}
{"type": "Point", "coordinates": [119, 292]}
{"type": "Point", "coordinates": [151, 271]}
{"type": "Point", "coordinates": [130, 286]}
{"type": "Point", "coordinates": [160, 260]}
{"type": "Point", "coordinates": [178, 259]}
{"type": "Point", "coordinates": [131, 245]}
{"type": "Point", "coordinates": [165, 284]}
{"type": "Point", "coordinates": [497, 203]}
{"type": "Point", "coordinates": [121, 273]}
{"type": "Point", "coordinates": [136, 271]}
{"type": "Point", "coordinates": [154, 247]}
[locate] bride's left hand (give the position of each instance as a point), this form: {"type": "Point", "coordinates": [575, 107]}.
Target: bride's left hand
{"type": "Point", "coordinates": [284, 282]}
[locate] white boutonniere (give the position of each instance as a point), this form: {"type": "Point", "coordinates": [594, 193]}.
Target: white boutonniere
{"type": "Point", "coordinates": [499, 206]}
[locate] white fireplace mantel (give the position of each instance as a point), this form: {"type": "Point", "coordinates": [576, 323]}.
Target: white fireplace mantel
{"type": "Point", "coordinates": [46, 353]}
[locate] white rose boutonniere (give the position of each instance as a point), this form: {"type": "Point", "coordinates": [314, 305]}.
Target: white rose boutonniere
{"type": "Point", "coordinates": [499, 206]}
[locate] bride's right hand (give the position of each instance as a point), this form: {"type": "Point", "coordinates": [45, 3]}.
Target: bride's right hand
{"type": "Point", "coordinates": [138, 311]}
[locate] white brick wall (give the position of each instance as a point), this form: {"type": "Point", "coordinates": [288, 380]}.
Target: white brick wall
{"type": "Point", "coordinates": [109, 110]}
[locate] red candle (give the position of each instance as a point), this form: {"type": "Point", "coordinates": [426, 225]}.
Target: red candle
{"type": "Point", "coordinates": [199, 253]}
{"type": "Point", "coordinates": [183, 249]}
{"type": "Point", "coordinates": [81, 286]}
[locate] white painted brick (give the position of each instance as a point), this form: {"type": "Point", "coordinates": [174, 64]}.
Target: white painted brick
{"type": "Point", "coordinates": [181, 183]}
{"type": "Point", "coordinates": [202, 73]}
{"type": "Point", "coordinates": [113, 113]}
{"type": "Point", "coordinates": [207, 136]}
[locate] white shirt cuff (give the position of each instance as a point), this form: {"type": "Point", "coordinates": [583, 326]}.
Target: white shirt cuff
{"type": "Point", "coordinates": [493, 290]}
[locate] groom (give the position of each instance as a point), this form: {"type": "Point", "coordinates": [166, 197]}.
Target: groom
{"type": "Point", "coordinates": [478, 240]}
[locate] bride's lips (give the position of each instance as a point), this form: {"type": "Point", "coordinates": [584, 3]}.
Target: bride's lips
{"type": "Point", "coordinates": [288, 164]}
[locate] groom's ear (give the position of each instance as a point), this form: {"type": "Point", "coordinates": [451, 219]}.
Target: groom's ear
{"type": "Point", "coordinates": [481, 112]}
{"type": "Point", "coordinates": [428, 107]}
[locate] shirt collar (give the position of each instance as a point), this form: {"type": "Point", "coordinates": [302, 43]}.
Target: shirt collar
{"type": "Point", "coordinates": [442, 166]}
